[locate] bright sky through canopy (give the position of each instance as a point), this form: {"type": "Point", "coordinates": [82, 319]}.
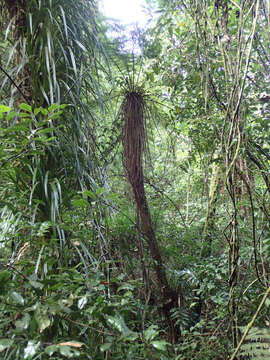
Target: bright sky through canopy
{"type": "Point", "coordinates": [127, 11]}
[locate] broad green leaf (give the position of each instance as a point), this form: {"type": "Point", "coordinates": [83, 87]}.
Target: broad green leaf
{"type": "Point", "coordinates": [5, 343]}
{"type": "Point", "coordinates": [56, 115]}
{"type": "Point", "coordinates": [4, 108]}
{"type": "Point", "coordinates": [37, 111]}
{"type": "Point", "coordinates": [151, 333]}
{"type": "Point", "coordinates": [45, 131]}
{"type": "Point", "coordinates": [68, 351]}
{"type": "Point", "coordinates": [44, 111]}
{"type": "Point", "coordinates": [31, 349]}
{"type": "Point", "coordinates": [36, 284]}
{"type": "Point", "coordinates": [119, 323]}
{"type": "Point", "coordinates": [24, 115]}
{"type": "Point", "coordinates": [11, 115]}
{"type": "Point", "coordinates": [80, 203]}
{"type": "Point", "coordinates": [25, 107]}
{"type": "Point", "coordinates": [17, 298]}
{"type": "Point", "coordinates": [16, 128]}
{"type": "Point", "coordinates": [65, 349]}
{"type": "Point", "coordinates": [49, 139]}
{"type": "Point", "coordinates": [63, 307]}
{"type": "Point", "coordinates": [160, 344]}
{"type": "Point", "coordinates": [53, 107]}
{"type": "Point", "coordinates": [88, 193]}
{"type": "Point", "coordinates": [51, 349]}
{"type": "Point", "coordinates": [132, 336]}
{"type": "Point", "coordinates": [23, 323]}
{"type": "Point", "coordinates": [42, 318]}
{"type": "Point", "coordinates": [105, 347]}
{"type": "Point", "coordinates": [100, 191]}
{"type": "Point", "coordinates": [125, 287]}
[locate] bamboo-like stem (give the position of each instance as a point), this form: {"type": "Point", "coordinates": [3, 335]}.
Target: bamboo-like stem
{"type": "Point", "coordinates": [187, 200]}
{"type": "Point", "coordinates": [249, 326]}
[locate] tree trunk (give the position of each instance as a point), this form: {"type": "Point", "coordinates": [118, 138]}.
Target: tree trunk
{"type": "Point", "coordinates": [134, 145]}
{"type": "Point", "coordinates": [211, 210]}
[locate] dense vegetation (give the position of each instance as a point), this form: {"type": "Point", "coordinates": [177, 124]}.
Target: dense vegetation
{"type": "Point", "coordinates": [135, 186]}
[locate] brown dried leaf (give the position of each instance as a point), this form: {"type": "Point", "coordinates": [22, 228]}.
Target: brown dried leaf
{"type": "Point", "coordinates": [72, 344]}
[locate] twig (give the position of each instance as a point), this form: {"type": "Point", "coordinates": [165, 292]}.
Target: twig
{"type": "Point", "coordinates": [16, 86]}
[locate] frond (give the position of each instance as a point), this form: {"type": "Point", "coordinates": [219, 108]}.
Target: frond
{"type": "Point", "coordinates": [257, 345]}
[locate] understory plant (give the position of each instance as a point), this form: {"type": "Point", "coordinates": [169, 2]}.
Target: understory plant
{"type": "Point", "coordinates": [58, 300]}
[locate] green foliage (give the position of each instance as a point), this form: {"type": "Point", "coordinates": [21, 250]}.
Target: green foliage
{"type": "Point", "coordinates": [75, 315]}
{"type": "Point", "coordinates": [256, 346]}
{"type": "Point", "coordinates": [76, 274]}
{"type": "Point", "coordinates": [49, 306]}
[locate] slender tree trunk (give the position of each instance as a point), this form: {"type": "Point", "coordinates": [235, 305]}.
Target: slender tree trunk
{"type": "Point", "coordinates": [187, 199]}
{"type": "Point", "coordinates": [169, 296]}
{"type": "Point", "coordinates": [209, 226]}
{"type": "Point", "coordinates": [211, 210]}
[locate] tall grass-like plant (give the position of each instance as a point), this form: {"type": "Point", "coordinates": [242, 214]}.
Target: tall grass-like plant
{"type": "Point", "coordinates": [55, 57]}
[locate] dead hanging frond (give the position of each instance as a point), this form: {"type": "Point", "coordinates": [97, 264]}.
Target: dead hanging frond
{"type": "Point", "coordinates": [133, 111]}
{"type": "Point", "coordinates": [134, 136]}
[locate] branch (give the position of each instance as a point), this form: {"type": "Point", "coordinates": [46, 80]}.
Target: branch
{"type": "Point", "coordinates": [16, 86]}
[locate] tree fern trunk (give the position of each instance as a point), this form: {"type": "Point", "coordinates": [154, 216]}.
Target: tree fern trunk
{"type": "Point", "coordinates": [134, 145]}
